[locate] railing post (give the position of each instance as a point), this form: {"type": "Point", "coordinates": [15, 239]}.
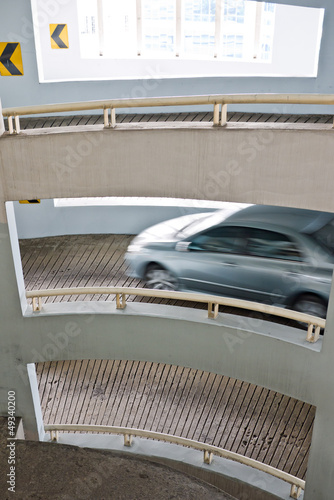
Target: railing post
{"type": "Point", "coordinates": [106, 117]}
{"type": "Point", "coordinates": [313, 333]}
{"type": "Point", "coordinates": [113, 117]}
{"type": "Point", "coordinates": [36, 304]}
{"type": "Point", "coordinates": [223, 119]}
{"type": "Point", "coordinates": [127, 440]}
{"type": "Point", "coordinates": [108, 123]}
{"type": "Point", "coordinates": [207, 457]}
{"type": "Point", "coordinates": [216, 114]}
{"type": "Point", "coordinates": [2, 123]}
{"type": "Point", "coordinates": [295, 491]}
{"type": "Point", "coordinates": [213, 310]}
{"type": "Point", "coordinates": [54, 436]}
{"type": "Point", "coordinates": [10, 125]}
{"type": "Point", "coordinates": [17, 124]}
{"type": "Point", "coordinates": [120, 302]}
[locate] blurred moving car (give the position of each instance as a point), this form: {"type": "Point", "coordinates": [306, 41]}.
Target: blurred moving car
{"type": "Point", "coordinates": [275, 255]}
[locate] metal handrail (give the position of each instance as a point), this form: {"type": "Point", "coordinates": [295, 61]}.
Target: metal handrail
{"type": "Point", "coordinates": [216, 100]}
{"type": "Point", "coordinates": [314, 324]}
{"type": "Point", "coordinates": [296, 483]}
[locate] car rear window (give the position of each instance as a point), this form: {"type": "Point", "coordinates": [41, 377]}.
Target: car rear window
{"type": "Point", "coordinates": [325, 236]}
{"type": "Point", "coordinates": [270, 244]}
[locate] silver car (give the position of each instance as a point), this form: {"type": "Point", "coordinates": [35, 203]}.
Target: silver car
{"type": "Point", "coordinates": [275, 255]}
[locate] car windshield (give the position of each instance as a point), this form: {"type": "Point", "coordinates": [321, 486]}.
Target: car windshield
{"type": "Point", "coordinates": [211, 220]}
{"type": "Point", "coordinates": [325, 236]}
{"type": "Point", "coordinates": [200, 225]}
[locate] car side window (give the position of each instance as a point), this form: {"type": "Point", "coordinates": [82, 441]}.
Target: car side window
{"type": "Point", "coordinates": [220, 239]}
{"type": "Point", "coordinates": [273, 245]}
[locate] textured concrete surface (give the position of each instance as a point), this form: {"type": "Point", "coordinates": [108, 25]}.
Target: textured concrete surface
{"type": "Point", "coordinates": [268, 164]}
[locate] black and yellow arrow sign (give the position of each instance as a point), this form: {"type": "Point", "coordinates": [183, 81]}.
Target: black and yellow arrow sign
{"type": "Point", "coordinates": [10, 59]}
{"type": "Point", "coordinates": [29, 201]}
{"type": "Point", "coordinates": [59, 36]}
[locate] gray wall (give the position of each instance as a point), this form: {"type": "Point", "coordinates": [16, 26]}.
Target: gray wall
{"type": "Point", "coordinates": [44, 219]}
{"type": "Point", "coordinates": [16, 25]}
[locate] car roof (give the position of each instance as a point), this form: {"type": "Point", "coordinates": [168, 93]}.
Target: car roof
{"type": "Point", "coordinates": [303, 221]}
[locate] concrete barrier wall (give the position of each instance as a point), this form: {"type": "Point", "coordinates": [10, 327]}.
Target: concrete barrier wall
{"type": "Point", "coordinates": [267, 165]}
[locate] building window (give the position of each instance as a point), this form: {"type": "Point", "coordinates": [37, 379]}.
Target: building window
{"type": "Point", "coordinates": [198, 28]}
{"type": "Point", "coordinates": [158, 27]}
{"type": "Point", "coordinates": [233, 29]}
{"type": "Point", "coordinates": [145, 39]}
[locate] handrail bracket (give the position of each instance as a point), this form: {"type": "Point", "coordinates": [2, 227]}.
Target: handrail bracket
{"type": "Point", "coordinates": [112, 122]}
{"type": "Point", "coordinates": [127, 439]}
{"type": "Point", "coordinates": [295, 491]}
{"type": "Point", "coordinates": [36, 304]}
{"type": "Point", "coordinates": [213, 309]}
{"type": "Point", "coordinates": [54, 436]}
{"type": "Point", "coordinates": [11, 128]}
{"type": "Point", "coordinates": [120, 301]}
{"type": "Point", "coordinates": [313, 332]}
{"type": "Point", "coordinates": [223, 116]}
{"type": "Point", "coordinates": [208, 456]}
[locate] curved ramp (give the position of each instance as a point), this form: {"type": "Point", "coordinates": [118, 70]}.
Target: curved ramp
{"type": "Point", "coordinates": [218, 410]}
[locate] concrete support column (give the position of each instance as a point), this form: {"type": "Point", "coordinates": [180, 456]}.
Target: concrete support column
{"type": "Point", "coordinates": [2, 124]}
{"type": "Point", "coordinates": [14, 373]}
{"type": "Point", "coordinates": [320, 470]}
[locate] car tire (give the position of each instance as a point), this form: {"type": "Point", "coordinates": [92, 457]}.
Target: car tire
{"type": "Point", "coordinates": [159, 278]}
{"type": "Point", "coordinates": [311, 304]}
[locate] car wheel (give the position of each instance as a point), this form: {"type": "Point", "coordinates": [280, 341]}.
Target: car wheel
{"type": "Point", "coordinates": [159, 278]}
{"type": "Point", "coordinates": [311, 304]}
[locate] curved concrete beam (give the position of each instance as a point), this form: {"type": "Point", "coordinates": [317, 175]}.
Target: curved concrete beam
{"type": "Point", "coordinates": [252, 164]}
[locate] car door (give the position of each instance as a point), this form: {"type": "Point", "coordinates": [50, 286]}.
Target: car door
{"type": "Point", "coordinates": [243, 262]}
{"type": "Point", "coordinates": [211, 262]}
{"type": "Point", "coordinates": [272, 266]}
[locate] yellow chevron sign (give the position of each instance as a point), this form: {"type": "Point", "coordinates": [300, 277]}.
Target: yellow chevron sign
{"type": "Point", "coordinates": [10, 59]}
{"type": "Point", "coordinates": [59, 36]}
{"type": "Point", "coordinates": [29, 201]}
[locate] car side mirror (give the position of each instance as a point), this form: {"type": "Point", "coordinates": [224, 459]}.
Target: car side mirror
{"type": "Point", "coordinates": [182, 246]}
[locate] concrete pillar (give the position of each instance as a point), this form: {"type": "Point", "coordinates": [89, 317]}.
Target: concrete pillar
{"type": "Point", "coordinates": [2, 125]}
{"type": "Point", "coordinates": [14, 373]}
{"type": "Point", "coordinates": [320, 470]}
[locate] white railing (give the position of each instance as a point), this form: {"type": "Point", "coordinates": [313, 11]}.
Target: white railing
{"type": "Point", "coordinates": [297, 485]}
{"type": "Point", "coordinates": [219, 102]}
{"type": "Point", "coordinates": [314, 324]}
